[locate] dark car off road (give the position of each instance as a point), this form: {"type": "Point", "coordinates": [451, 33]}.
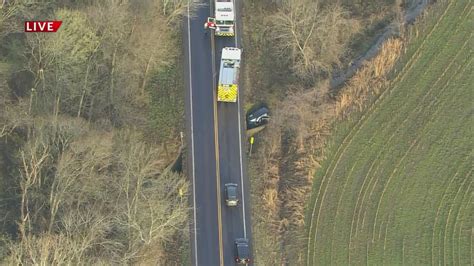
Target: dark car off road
{"type": "Point", "coordinates": [258, 117]}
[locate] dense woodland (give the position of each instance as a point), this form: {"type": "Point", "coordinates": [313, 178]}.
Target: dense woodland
{"type": "Point", "coordinates": [89, 123]}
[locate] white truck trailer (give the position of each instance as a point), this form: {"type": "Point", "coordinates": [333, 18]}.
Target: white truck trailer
{"type": "Point", "coordinates": [224, 17]}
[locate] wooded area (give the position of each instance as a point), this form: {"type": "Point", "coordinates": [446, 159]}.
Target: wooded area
{"type": "Point", "coordinates": [89, 121]}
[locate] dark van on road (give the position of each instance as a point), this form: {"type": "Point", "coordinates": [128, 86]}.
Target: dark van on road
{"type": "Point", "coordinates": [242, 251]}
{"type": "Point", "coordinates": [231, 195]}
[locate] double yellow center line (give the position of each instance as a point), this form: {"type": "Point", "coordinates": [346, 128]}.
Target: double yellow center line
{"type": "Point", "coordinates": [216, 145]}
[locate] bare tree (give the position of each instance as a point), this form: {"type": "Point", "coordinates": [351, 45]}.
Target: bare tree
{"type": "Point", "coordinates": [33, 160]}
{"type": "Point", "coordinates": [4, 128]}
{"type": "Point", "coordinates": [78, 185]}
{"type": "Point", "coordinates": [153, 47]}
{"type": "Point", "coordinates": [7, 12]}
{"type": "Point", "coordinates": [59, 62]}
{"type": "Point", "coordinates": [87, 229]}
{"type": "Point", "coordinates": [152, 210]}
{"type": "Point", "coordinates": [313, 37]}
{"type": "Point", "coordinates": [174, 10]}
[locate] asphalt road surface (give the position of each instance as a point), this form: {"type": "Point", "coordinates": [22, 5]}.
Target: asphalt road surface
{"type": "Point", "coordinates": [216, 143]}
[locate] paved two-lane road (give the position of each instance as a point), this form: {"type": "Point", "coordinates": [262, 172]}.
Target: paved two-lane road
{"type": "Point", "coordinates": [215, 144]}
{"type": "Point", "coordinates": [201, 142]}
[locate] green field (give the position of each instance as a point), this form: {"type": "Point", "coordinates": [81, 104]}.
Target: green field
{"type": "Point", "coordinates": [396, 187]}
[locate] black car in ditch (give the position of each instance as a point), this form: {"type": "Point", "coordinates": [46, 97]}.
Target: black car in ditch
{"type": "Point", "coordinates": [258, 117]}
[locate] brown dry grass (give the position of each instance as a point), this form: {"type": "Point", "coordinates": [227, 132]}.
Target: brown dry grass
{"type": "Point", "coordinates": [370, 79]}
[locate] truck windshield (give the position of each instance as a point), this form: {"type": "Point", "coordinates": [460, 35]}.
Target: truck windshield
{"type": "Point", "coordinates": [224, 9]}
{"type": "Point", "coordinates": [225, 22]}
{"type": "Point", "coordinates": [228, 64]}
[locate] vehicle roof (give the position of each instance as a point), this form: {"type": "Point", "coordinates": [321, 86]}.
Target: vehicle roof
{"type": "Point", "coordinates": [229, 66]}
{"type": "Point", "coordinates": [228, 73]}
{"type": "Point", "coordinates": [241, 240]}
{"type": "Point", "coordinates": [243, 249]}
{"type": "Point", "coordinates": [260, 111]}
{"type": "Point", "coordinates": [231, 53]}
{"type": "Point", "coordinates": [231, 190]}
{"type": "Point", "coordinates": [224, 10]}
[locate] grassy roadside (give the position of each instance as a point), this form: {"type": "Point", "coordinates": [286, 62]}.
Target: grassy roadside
{"type": "Point", "coordinates": [373, 197]}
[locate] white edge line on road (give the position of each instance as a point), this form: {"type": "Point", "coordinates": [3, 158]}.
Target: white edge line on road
{"type": "Point", "coordinates": [241, 173]}
{"type": "Point", "coordinates": [240, 141]}
{"type": "Point", "coordinates": [235, 26]}
{"type": "Point", "coordinates": [192, 135]}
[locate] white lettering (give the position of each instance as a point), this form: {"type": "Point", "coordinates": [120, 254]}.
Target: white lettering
{"type": "Point", "coordinates": [28, 28]}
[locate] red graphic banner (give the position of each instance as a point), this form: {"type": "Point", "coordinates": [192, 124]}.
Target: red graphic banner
{"type": "Point", "coordinates": [42, 26]}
